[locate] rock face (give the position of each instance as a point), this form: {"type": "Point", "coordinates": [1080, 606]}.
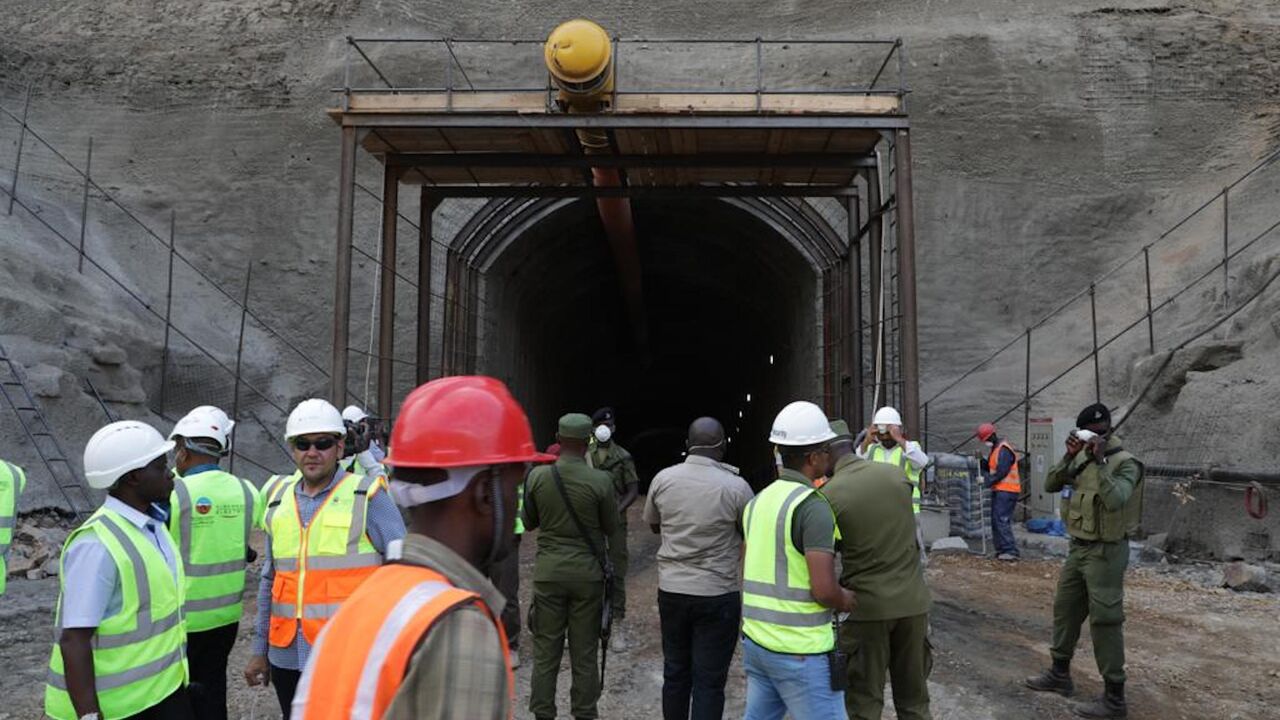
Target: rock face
{"type": "Point", "coordinates": [1051, 140]}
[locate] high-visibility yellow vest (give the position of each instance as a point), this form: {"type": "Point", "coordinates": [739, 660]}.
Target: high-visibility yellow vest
{"type": "Point", "coordinates": [322, 564]}
{"type": "Point", "coordinates": [12, 482]}
{"type": "Point", "coordinates": [139, 655]}
{"type": "Point", "coordinates": [520, 508]}
{"type": "Point", "coordinates": [898, 456]}
{"type": "Point", "coordinates": [211, 515]}
{"type": "Point", "coordinates": [778, 609]}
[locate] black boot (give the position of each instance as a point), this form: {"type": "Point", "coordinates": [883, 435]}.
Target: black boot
{"type": "Point", "coordinates": [1056, 679]}
{"type": "Point", "coordinates": [1110, 705]}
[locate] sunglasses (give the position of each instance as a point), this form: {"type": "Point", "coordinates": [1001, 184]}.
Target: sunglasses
{"type": "Point", "coordinates": [321, 444]}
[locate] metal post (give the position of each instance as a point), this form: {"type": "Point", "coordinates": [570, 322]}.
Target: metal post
{"type": "Point", "coordinates": [342, 268]}
{"type": "Point", "coordinates": [1026, 397]}
{"type": "Point", "coordinates": [235, 398]}
{"type": "Point", "coordinates": [168, 310]}
{"type": "Point", "coordinates": [1151, 327]}
{"type": "Point", "coordinates": [924, 427]}
{"type": "Point", "coordinates": [22, 139]}
{"type": "Point", "coordinates": [450, 307]}
{"type": "Point", "coordinates": [759, 75]}
{"type": "Point", "coordinates": [426, 211]}
{"type": "Point", "coordinates": [1226, 248]}
{"type": "Point", "coordinates": [855, 272]}
{"type": "Point", "coordinates": [875, 252]}
{"type": "Point", "coordinates": [387, 298]}
{"type": "Point", "coordinates": [1093, 312]}
{"type": "Point", "coordinates": [84, 205]}
{"type": "Point", "coordinates": [909, 359]}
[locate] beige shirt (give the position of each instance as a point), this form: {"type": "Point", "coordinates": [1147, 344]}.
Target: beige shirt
{"type": "Point", "coordinates": [699, 505]}
{"type": "Point", "coordinates": [458, 672]}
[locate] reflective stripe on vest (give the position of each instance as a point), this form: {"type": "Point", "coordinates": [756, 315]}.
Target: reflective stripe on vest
{"type": "Point", "coordinates": [1011, 482]}
{"type": "Point", "coordinates": [319, 565]}
{"type": "Point", "coordinates": [215, 584]}
{"type": "Point", "coordinates": [138, 655]}
{"type": "Point", "coordinates": [898, 456]}
{"type": "Point", "coordinates": [362, 655]}
{"type": "Point", "coordinates": [778, 609]}
{"type": "Point", "coordinates": [12, 482]}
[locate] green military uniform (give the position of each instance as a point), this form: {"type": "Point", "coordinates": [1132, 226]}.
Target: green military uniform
{"type": "Point", "coordinates": [880, 559]}
{"type": "Point", "coordinates": [1102, 511]}
{"type": "Point", "coordinates": [568, 588]}
{"type": "Point", "coordinates": [12, 482]}
{"type": "Point", "coordinates": [617, 462]}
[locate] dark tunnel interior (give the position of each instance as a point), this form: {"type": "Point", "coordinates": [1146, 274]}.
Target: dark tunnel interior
{"type": "Point", "coordinates": [733, 327]}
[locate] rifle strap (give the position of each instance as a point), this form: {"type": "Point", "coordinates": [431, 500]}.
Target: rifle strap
{"type": "Point", "coordinates": [577, 521]}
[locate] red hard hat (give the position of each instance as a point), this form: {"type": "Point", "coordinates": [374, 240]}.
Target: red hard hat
{"type": "Point", "coordinates": [986, 430]}
{"type": "Point", "coordinates": [459, 422]}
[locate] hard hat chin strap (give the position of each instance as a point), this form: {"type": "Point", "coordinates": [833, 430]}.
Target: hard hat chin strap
{"type": "Point", "coordinates": [499, 518]}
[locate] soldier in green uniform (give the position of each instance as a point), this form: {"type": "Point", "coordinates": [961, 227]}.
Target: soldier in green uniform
{"type": "Point", "coordinates": [607, 455]}
{"type": "Point", "coordinates": [568, 583]}
{"type": "Point", "coordinates": [1105, 506]}
{"type": "Point", "coordinates": [880, 561]}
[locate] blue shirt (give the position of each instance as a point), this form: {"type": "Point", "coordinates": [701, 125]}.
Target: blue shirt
{"type": "Point", "coordinates": [383, 525]}
{"type": "Point", "coordinates": [91, 582]}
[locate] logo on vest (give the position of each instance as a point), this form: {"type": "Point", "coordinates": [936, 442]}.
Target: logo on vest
{"type": "Point", "coordinates": [204, 505]}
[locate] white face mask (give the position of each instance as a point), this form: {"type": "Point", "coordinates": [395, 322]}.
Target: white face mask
{"type": "Point", "coordinates": [777, 457]}
{"type": "Point", "coordinates": [603, 433]}
{"type": "Point", "coordinates": [988, 443]}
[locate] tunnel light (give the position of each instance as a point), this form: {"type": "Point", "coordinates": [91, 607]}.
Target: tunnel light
{"type": "Point", "coordinates": [770, 359]}
{"type": "Point", "coordinates": [748, 397]}
{"type": "Point", "coordinates": [739, 414]}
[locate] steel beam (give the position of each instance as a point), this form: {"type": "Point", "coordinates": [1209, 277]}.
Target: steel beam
{"type": "Point", "coordinates": [855, 276]}
{"type": "Point", "coordinates": [875, 254]}
{"type": "Point", "coordinates": [526, 122]}
{"type": "Point", "coordinates": [705, 160]}
{"type": "Point", "coordinates": [575, 191]}
{"type": "Point", "coordinates": [387, 292]}
{"type": "Point", "coordinates": [342, 269]}
{"type": "Point", "coordinates": [426, 212]}
{"type": "Point", "coordinates": [910, 349]}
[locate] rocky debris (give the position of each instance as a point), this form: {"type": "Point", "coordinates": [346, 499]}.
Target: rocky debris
{"type": "Point", "coordinates": [1241, 576]}
{"type": "Point", "coordinates": [37, 544]}
{"type": "Point", "coordinates": [1153, 549]}
{"type": "Point", "coordinates": [47, 381]}
{"type": "Point", "coordinates": [949, 545]}
{"type": "Point", "coordinates": [109, 354]}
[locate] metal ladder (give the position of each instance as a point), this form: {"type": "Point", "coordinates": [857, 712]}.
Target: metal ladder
{"type": "Point", "coordinates": [46, 445]}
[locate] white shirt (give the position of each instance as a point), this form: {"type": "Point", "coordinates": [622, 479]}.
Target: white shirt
{"type": "Point", "coordinates": [91, 589]}
{"type": "Point", "coordinates": [915, 455]}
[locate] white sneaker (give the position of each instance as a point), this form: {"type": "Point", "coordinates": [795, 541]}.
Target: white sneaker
{"type": "Point", "coordinates": [618, 640]}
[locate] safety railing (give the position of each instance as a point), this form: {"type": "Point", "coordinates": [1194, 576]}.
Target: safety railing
{"type": "Point", "coordinates": [1137, 307]}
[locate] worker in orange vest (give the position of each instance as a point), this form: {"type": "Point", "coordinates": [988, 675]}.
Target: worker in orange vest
{"type": "Point", "coordinates": [423, 637]}
{"type": "Point", "coordinates": [1001, 474]}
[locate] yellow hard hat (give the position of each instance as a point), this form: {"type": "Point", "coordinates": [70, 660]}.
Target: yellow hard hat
{"type": "Point", "coordinates": [578, 51]}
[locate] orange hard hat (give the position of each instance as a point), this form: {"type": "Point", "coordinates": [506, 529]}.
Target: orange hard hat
{"type": "Point", "coordinates": [986, 430]}
{"type": "Point", "coordinates": [462, 421]}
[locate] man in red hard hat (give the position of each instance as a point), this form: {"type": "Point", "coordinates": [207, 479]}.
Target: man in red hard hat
{"type": "Point", "coordinates": [1000, 473]}
{"type": "Point", "coordinates": [423, 637]}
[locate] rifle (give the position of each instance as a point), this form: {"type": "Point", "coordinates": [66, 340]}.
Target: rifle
{"type": "Point", "coordinates": [606, 568]}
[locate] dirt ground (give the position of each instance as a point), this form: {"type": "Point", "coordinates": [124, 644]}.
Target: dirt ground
{"type": "Point", "coordinates": [1194, 653]}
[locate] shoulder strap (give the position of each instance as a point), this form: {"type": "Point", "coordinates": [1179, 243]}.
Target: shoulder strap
{"type": "Point", "coordinates": [577, 521]}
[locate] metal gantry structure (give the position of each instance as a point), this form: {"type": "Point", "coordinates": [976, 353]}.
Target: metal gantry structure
{"type": "Point", "coordinates": [773, 147]}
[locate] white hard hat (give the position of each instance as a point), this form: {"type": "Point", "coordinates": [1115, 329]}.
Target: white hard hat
{"type": "Point", "coordinates": [801, 423]}
{"type": "Point", "coordinates": [200, 424]}
{"type": "Point", "coordinates": [120, 447]}
{"type": "Point", "coordinates": [353, 413]}
{"type": "Point", "coordinates": [886, 416]}
{"type": "Point", "coordinates": [224, 422]}
{"type": "Point", "coordinates": [314, 416]}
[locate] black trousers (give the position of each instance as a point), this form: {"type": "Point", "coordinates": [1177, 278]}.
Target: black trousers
{"type": "Point", "coordinates": [286, 684]}
{"type": "Point", "coordinates": [699, 634]}
{"type": "Point", "coordinates": [207, 653]}
{"type": "Point", "coordinates": [175, 707]}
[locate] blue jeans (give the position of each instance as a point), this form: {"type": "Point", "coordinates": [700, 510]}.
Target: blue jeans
{"type": "Point", "coordinates": [1002, 506]}
{"type": "Point", "coordinates": [778, 684]}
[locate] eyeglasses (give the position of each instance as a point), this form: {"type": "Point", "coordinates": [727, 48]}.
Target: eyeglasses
{"type": "Point", "coordinates": [321, 444]}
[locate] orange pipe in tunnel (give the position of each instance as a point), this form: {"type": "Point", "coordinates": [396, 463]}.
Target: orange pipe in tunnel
{"type": "Point", "coordinates": [620, 229]}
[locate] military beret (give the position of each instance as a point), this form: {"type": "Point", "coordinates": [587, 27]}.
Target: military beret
{"type": "Point", "coordinates": [603, 415]}
{"type": "Point", "coordinates": [575, 426]}
{"type": "Point", "coordinates": [1095, 413]}
{"type": "Point", "coordinates": [841, 429]}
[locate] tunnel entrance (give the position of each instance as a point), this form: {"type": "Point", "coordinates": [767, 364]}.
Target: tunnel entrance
{"type": "Point", "coordinates": [670, 252]}
{"type": "Point", "coordinates": [733, 313]}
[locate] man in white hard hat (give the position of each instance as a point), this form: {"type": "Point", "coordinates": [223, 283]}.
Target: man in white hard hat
{"type": "Point", "coordinates": [885, 443]}
{"type": "Point", "coordinates": [361, 453]}
{"type": "Point", "coordinates": [327, 531]}
{"type": "Point", "coordinates": [788, 624]}
{"type": "Point", "coordinates": [120, 637]}
{"type": "Point", "coordinates": [211, 515]}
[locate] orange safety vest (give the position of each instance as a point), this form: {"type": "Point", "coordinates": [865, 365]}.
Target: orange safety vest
{"type": "Point", "coordinates": [362, 656]}
{"type": "Point", "coordinates": [1011, 482]}
{"type": "Point", "coordinates": [319, 565]}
